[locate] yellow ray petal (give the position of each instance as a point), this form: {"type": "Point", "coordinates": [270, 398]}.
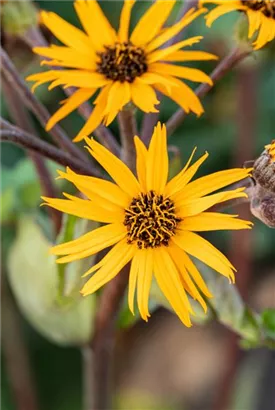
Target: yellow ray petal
{"type": "Point", "coordinates": [210, 183]}
{"type": "Point", "coordinates": [106, 190]}
{"type": "Point", "coordinates": [84, 209]}
{"type": "Point", "coordinates": [183, 55]}
{"type": "Point", "coordinates": [157, 161]}
{"type": "Point", "coordinates": [119, 95]}
{"type": "Point", "coordinates": [66, 32]}
{"type": "Point", "coordinates": [167, 277]}
{"type": "Point", "coordinates": [43, 77]}
{"type": "Point", "coordinates": [77, 78]}
{"type": "Point", "coordinates": [97, 115]}
{"type": "Point", "coordinates": [154, 78]}
{"type": "Point", "coordinates": [67, 57]}
{"type": "Point", "coordinates": [184, 96]}
{"type": "Point", "coordinates": [121, 255]}
{"type": "Point", "coordinates": [144, 96]}
{"type": "Point", "coordinates": [266, 32]}
{"type": "Point", "coordinates": [144, 280]}
{"type": "Point", "coordinates": [213, 221]}
{"type": "Point", "coordinates": [71, 103]}
{"type": "Point", "coordinates": [223, 9]}
{"type": "Point", "coordinates": [254, 21]}
{"type": "Point", "coordinates": [97, 26]}
{"type": "Point", "coordinates": [184, 176]}
{"type": "Point", "coordinates": [189, 207]}
{"type": "Point", "coordinates": [104, 237]}
{"type": "Point", "coordinates": [133, 281]}
{"type": "Point", "coordinates": [192, 74]}
{"type": "Point", "coordinates": [141, 162]}
{"type": "Point", "coordinates": [176, 254]}
{"type": "Point", "coordinates": [175, 29]}
{"type": "Point", "coordinates": [120, 173]}
{"type": "Point", "coordinates": [157, 13]}
{"type": "Point", "coordinates": [125, 20]}
{"type": "Point", "coordinates": [203, 250]}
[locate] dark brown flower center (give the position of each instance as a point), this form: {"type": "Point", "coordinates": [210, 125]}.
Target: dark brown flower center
{"type": "Point", "coordinates": [267, 7]}
{"type": "Point", "coordinates": [122, 62]}
{"type": "Point", "coordinates": [150, 220]}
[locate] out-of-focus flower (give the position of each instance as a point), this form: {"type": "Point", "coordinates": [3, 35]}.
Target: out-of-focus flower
{"type": "Point", "coordinates": [124, 67]}
{"type": "Point", "coordinates": [260, 14]}
{"type": "Point", "coordinates": [152, 223]}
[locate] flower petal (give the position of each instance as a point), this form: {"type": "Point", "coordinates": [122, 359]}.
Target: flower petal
{"type": "Point", "coordinates": [141, 162]}
{"type": "Point", "coordinates": [119, 95]}
{"type": "Point", "coordinates": [125, 20]}
{"type": "Point", "coordinates": [144, 280]}
{"type": "Point", "coordinates": [223, 9]}
{"type": "Point", "coordinates": [182, 55]}
{"type": "Point", "coordinates": [213, 221]}
{"type": "Point", "coordinates": [133, 281]}
{"type": "Point", "coordinates": [192, 74]}
{"type": "Point", "coordinates": [144, 96]}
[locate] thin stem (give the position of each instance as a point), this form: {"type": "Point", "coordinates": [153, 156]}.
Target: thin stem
{"type": "Point", "coordinates": [128, 129]}
{"type": "Point", "coordinates": [87, 377]}
{"type": "Point", "coordinates": [10, 133]}
{"type": "Point", "coordinates": [15, 354]}
{"type": "Point", "coordinates": [35, 38]}
{"type": "Point", "coordinates": [104, 339]}
{"type": "Point", "coordinates": [233, 58]}
{"type": "Point", "coordinates": [22, 119]}
{"type": "Point", "coordinates": [151, 119]}
{"type": "Point", "coordinates": [57, 133]}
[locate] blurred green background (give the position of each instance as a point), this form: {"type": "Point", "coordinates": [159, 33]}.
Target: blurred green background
{"type": "Point", "coordinates": [161, 365]}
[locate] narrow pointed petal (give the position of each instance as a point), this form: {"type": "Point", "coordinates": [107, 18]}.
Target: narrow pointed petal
{"type": "Point", "coordinates": [121, 255]}
{"type": "Point", "coordinates": [119, 95]}
{"type": "Point", "coordinates": [144, 96]}
{"type": "Point", "coordinates": [120, 173]}
{"type": "Point", "coordinates": [141, 162]}
{"type": "Point", "coordinates": [125, 20]}
{"type": "Point", "coordinates": [133, 280]}
{"type": "Point", "coordinates": [213, 221]}
{"type": "Point", "coordinates": [223, 9]}
{"type": "Point", "coordinates": [190, 56]}
{"type": "Point", "coordinates": [192, 74]}
{"type": "Point", "coordinates": [144, 280]}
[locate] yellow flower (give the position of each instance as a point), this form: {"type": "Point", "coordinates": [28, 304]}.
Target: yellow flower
{"type": "Point", "coordinates": [271, 150]}
{"type": "Point", "coordinates": [125, 68]}
{"type": "Point", "coordinates": [260, 14]}
{"type": "Point", "coordinates": [152, 223]}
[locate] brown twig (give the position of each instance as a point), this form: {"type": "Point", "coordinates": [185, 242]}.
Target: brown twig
{"type": "Point", "coordinates": [21, 117]}
{"type": "Point", "coordinates": [57, 133]}
{"type": "Point", "coordinates": [151, 119]}
{"type": "Point", "coordinates": [34, 38]}
{"type": "Point", "coordinates": [128, 129]}
{"type": "Point", "coordinates": [10, 133]}
{"type": "Point", "coordinates": [233, 58]}
{"type": "Point", "coordinates": [15, 354]}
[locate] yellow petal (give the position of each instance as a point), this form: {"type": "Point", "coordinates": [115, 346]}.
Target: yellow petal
{"type": "Point", "coordinates": [97, 26]}
{"type": "Point", "coordinates": [210, 183]}
{"type": "Point", "coordinates": [43, 77]}
{"type": "Point", "coordinates": [144, 96]}
{"type": "Point", "coordinates": [125, 20]}
{"type": "Point", "coordinates": [98, 239]}
{"type": "Point", "coordinates": [223, 9]}
{"type": "Point", "coordinates": [254, 21]}
{"type": "Point", "coordinates": [183, 55]}
{"type": "Point", "coordinates": [168, 279]}
{"type": "Point", "coordinates": [71, 103]}
{"type": "Point", "coordinates": [266, 32]}
{"type": "Point", "coordinates": [201, 249]}
{"type": "Point", "coordinates": [141, 162]}
{"type": "Point", "coordinates": [79, 78]}
{"type": "Point", "coordinates": [133, 281]}
{"type": "Point", "coordinates": [188, 207]}
{"type": "Point", "coordinates": [66, 32]}
{"type": "Point", "coordinates": [119, 95]}
{"type": "Point", "coordinates": [175, 29]}
{"type": "Point", "coordinates": [96, 116]}
{"type": "Point", "coordinates": [144, 280]}
{"type": "Point", "coordinates": [192, 74]}
{"type": "Point", "coordinates": [154, 78]}
{"type": "Point", "coordinates": [157, 161]}
{"type": "Point", "coordinates": [120, 173]}
{"type": "Point", "coordinates": [184, 176]}
{"type": "Point", "coordinates": [121, 255]}
{"type": "Point", "coordinates": [213, 221]}
{"type": "Point", "coordinates": [83, 209]}
{"type": "Point", "coordinates": [105, 193]}
{"type": "Point", "coordinates": [157, 14]}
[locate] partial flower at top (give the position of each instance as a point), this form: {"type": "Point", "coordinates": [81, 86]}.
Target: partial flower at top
{"type": "Point", "coordinates": [151, 223]}
{"type": "Point", "coordinates": [124, 67]}
{"type": "Point", "coordinates": [260, 14]}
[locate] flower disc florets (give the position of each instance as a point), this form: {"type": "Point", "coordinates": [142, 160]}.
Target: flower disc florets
{"type": "Point", "coordinates": [150, 220]}
{"type": "Point", "coordinates": [122, 62]}
{"type": "Point", "coordinates": [267, 7]}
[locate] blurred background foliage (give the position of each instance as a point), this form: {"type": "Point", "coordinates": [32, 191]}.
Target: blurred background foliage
{"type": "Point", "coordinates": [160, 365]}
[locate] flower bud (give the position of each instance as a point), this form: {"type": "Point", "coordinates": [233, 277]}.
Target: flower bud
{"type": "Point", "coordinates": [33, 276]}
{"type": "Point", "coordinates": [18, 16]}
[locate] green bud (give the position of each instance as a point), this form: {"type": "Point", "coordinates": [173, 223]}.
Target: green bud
{"type": "Point", "coordinates": [18, 16]}
{"type": "Point", "coordinates": [33, 276]}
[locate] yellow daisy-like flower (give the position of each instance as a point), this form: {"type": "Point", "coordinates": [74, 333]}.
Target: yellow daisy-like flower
{"type": "Point", "coordinates": [125, 68]}
{"type": "Point", "coordinates": [260, 14]}
{"type": "Point", "coordinates": [152, 223]}
{"type": "Point", "coordinates": [271, 150]}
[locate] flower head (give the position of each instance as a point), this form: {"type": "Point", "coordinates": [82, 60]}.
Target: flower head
{"type": "Point", "coordinates": [151, 223]}
{"type": "Point", "coordinates": [260, 14]}
{"type": "Point", "coordinates": [124, 67]}
{"type": "Point", "coordinates": [264, 168]}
